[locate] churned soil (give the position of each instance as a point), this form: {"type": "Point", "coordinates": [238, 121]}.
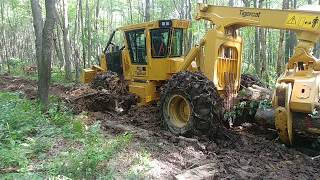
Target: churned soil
{"type": "Point", "coordinates": [240, 153]}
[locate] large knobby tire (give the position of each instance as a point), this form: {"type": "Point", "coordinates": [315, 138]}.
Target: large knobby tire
{"type": "Point", "coordinates": [190, 105]}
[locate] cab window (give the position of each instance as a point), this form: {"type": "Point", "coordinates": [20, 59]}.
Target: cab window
{"type": "Point", "coordinates": [177, 43]}
{"type": "Point", "coordinates": [160, 42]}
{"type": "Point", "coordinates": [137, 46]}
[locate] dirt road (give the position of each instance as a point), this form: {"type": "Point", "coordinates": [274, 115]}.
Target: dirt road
{"type": "Point", "coordinates": [232, 155]}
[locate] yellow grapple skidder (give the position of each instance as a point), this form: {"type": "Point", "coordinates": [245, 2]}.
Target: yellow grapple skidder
{"type": "Point", "coordinates": [152, 59]}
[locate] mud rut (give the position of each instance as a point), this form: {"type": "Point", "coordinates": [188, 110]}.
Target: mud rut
{"type": "Point", "coordinates": [233, 154]}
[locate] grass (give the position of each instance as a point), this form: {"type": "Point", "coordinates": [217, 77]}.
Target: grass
{"type": "Point", "coordinates": [52, 145]}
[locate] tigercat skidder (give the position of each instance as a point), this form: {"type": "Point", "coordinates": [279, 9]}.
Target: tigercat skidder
{"type": "Point", "coordinates": [190, 88]}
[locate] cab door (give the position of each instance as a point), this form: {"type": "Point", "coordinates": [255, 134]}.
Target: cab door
{"type": "Point", "coordinates": [160, 43]}
{"type": "Point", "coordinates": [136, 40]}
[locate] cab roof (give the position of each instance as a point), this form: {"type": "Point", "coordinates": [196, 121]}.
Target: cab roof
{"type": "Point", "coordinates": [184, 24]}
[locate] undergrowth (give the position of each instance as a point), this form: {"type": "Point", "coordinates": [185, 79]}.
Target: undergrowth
{"type": "Point", "coordinates": [52, 145]}
{"type": "Point", "coordinates": [57, 75]}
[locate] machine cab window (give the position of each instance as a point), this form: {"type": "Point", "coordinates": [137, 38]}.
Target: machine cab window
{"type": "Point", "coordinates": [166, 42]}
{"type": "Point", "coordinates": [137, 46]}
{"type": "Point", "coordinates": [177, 43]}
{"type": "Point", "coordinates": [160, 42]}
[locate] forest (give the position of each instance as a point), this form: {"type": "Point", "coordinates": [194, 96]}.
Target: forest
{"type": "Point", "coordinates": [52, 125]}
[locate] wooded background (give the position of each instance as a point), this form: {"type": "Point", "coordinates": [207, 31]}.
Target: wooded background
{"type": "Point", "coordinates": [83, 28]}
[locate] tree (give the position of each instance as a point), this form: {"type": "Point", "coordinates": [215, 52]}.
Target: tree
{"type": "Point", "coordinates": [147, 11]}
{"type": "Point", "coordinates": [96, 23]}
{"type": "Point", "coordinates": [82, 34]}
{"type": "Point", "coordinates": [231, 3]}
{"type": "Point", "coordinates": [263, 45]}
{"type": "Point", "coordinates": [38, 27]}
{"type": "Point", "coordinates": [47, 46]}
{"type": "Point", "coordinates": [257, 62]}
{"type": "Point", "coordinates": [66, 42]}
{"type": "Point", "coordinates": [281, 46]}
{"type": "Point", "coordinates": [130, 11]}
{"type": "Point", "coordinates": [88, 23]}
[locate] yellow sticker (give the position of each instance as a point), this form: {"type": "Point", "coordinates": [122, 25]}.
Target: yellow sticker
{"type": "Point", "coordinates": [148, 99]}
{"type": "Point", "coordinates": [303, 21]}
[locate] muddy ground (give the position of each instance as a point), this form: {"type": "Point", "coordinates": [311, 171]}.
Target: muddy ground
{"type": "Point", "coordinates": [234, 154]}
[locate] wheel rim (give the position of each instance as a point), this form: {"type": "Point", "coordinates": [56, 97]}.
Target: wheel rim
{"type": "Point", "coordinates": [179, 111]}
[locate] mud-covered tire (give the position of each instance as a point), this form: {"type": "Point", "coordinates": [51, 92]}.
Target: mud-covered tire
{"type": "Point", "coordinates": [204, 101]}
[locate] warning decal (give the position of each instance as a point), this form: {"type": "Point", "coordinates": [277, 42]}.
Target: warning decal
{"type": "Point", "coordinates": [303, 21]}
{"type": "Point", "coordinates": [292, 20]}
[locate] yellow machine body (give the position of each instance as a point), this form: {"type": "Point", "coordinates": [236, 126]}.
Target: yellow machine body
{"type": "Point", "coordinates": [223, 66]}
{"type": "Point", "coordinates": [219, 57]}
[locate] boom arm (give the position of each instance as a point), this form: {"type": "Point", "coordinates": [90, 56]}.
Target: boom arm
{"type": "Point", "coordinates": [305, 23]}
{"type": "Point", "coordinates": [295, 20]}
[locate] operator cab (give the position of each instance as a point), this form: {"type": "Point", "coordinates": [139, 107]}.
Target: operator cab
{"type": "Point", "coordinates": [157, 45]}
{"type": "Point", "coordinates": [152, 44]}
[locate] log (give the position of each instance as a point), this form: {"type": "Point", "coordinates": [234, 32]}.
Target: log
{"type": "Point", "coordinates": [255, 93]}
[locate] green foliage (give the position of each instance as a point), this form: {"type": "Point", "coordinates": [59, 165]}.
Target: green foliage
{"type": "Point", "coordinates": [246, 110]}
{"type": "Point", "coordinates": [265, 104]}
{"type": "Point", "coordinates": [19, 120]}
{"type": "Point", "coordinates": [29, 138]}
{"type": "Point", "coordinates": [91, 160]}
{"type": "Point", "coordinates": [58, 77]}
{"type": "Point", "coordinates": [16, 66]}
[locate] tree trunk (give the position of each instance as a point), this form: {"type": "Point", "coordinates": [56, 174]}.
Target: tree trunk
{"type": "Point", "coordinates": [190, 36]}
{"type": "Point", "coordinates": [4, 43]}
{"type": "Point", "coordinates": [96, 27]}
{"type": "Point", "coordinates": [82, 34]}
{"type": "Point", "coordinates": [38, 27]}
{"type": "Point", "coordinates": [76, 37]}
{"type": "Point", "coordinates": [130, 11]}
{"type": "Point", "coordinates": [57, 47]}
{"type": "Point", "coordinates": [62, 62]}
{"type": "Point", "coordinates": [77, 65]}
{"type": "Point", "coordinates": [45, 63]}
{"type": "Point", "coordinates": [66, 42]}
{"type": "Point", "coordinates": [247, 2]}
{"type": "Point", "coordinates": [231, 3]}
{"type": "Point", "coordinates": [257, 63]}
{"type": "Point", "coordinates": [147, 11]}
{"type": "Point", "coordinates": [263, 56]}
{"type": "Point", "coordinates": [263, 47]}
{"type": "Point", "coordinates": [281, 46]}
{"type": "Point", "coordinates": [280, 60]}
{"type": "Point", "coordinates": [88, 23]}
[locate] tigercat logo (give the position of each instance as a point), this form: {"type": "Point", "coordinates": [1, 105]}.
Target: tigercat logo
{"type": "Point", "coordinates": [244, 13]}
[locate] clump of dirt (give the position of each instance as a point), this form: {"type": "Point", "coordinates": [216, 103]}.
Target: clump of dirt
{"type": "Point", "coordinates": [247, 80]}
{"type": "Point", "coordinates": [111, 83]}
{"type": "Point", "coordinates": [106, 93]}
{"type": "Point", "coordinates": [236, 154]}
